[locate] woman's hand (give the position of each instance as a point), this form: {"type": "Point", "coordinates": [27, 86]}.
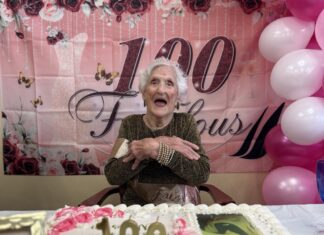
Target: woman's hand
{"type": "Point", "coordinates": [139, 150]}
{"type": "Point", "coordinates": [183, 146]}
{"type": "Point", "coordinates": [149, 148]}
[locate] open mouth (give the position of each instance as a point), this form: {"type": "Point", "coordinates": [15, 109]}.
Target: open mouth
{"type": "Point", "coordinates": [160, 102]}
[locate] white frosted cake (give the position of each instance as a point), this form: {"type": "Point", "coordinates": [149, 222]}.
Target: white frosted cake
{"type": "Point", "coordinates": [175, 219]}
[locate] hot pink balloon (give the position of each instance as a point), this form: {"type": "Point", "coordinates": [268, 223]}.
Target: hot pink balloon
{"type": "Point", "coordinates": [313, 44]}
{"type": "Point", "coordinates": [290, 185]}
{"type": "Point", "coordinates": [305, 9]}
{"type": "Point", "coordinates": [283, 152]}
{"type": "Point", "coordinates": [319, 30]}
{"type": "Point", "coordinates": [319, 93]}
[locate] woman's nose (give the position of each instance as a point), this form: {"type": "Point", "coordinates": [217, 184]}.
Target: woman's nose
{"type": "Point", "coordinates": [161, 87]}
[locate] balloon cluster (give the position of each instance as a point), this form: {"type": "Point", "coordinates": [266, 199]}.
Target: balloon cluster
{"type": "Point", "coordinates": [295, 44]}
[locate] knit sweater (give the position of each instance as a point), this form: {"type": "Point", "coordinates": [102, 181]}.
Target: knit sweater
{"type": "Point", "coordinates": [180, 170]}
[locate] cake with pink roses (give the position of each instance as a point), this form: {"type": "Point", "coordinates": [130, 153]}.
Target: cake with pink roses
{"type": "Point", "coordinates": [165, 219]}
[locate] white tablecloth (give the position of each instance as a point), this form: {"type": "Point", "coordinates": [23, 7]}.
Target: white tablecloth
{"type": "Point", "coordinates": [301, 219]}
{"type": "Point", "coordinates": [298, 219]}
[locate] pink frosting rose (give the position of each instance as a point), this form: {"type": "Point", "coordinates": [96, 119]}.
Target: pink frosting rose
{"type": "Point", "coordinates": [84, 217]}
{"type": "Point", "coordinates": [69, 210]}
{"type": "Point", "coordinates": [105, 211]}
{"type": "Point", "coordinates": [63, 226]}
{"type": "Point", "coordinates": [119, 214]}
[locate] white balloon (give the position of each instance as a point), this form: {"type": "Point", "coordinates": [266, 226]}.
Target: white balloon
{"type": "Point", "coordinates": [297, 75]}
{"type": "Point", "coordinates": [283, 36]}
{"type": "Point", "coordinates": [303, 121]}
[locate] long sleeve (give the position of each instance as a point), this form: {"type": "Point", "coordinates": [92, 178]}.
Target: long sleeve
{"type": "Point", "coordinates": [180, 170]}
{"type": "Point", "coordinates": [194, 172]}
{"type": "Point", "coordinates": [118, 172]}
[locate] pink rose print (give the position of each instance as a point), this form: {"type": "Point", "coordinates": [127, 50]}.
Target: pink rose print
{"type": "Point", "coordinates": [250, 6]}
{"type": "Point", "coordinates": [54, 36]}
{"type": "Point", "coordinates": [33, 7]}
{"type": "Point", "coordinates": [118, 7]}
{"type": "Point", "coordinates": [71, 5]}
{"type": "Point", "coordinates": [10, 152]}
{"type": "Point", "coordinates": [138, 6]}
{"type": "Point", "coordinates": [70, 167]}
{"type": "Point", "coordinates": [51, 40]}
{"type": "Point", "coordinates": [54, 168]}
{"type": "Point", "coordinates": [91, 169]}
{"type": "Point", "coordinates": [24, 166]}
{"type": "Point", "coordinates": [51, 11]}
{"type": "Point", "coordinates": [6, 14]}
{"type": "Point", "coordinates": [131, 6]}
{"type": "Point", "coordinates": [14, 5]}
{"type": "Point", "coordinates": [169, 5]}
{"type": "Point", "coordinates": [197, 5]}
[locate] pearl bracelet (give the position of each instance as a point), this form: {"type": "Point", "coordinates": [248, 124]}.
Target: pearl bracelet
{"type": "Point", "coordinates": [165, 154]}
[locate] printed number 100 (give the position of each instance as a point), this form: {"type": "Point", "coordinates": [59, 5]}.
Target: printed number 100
{"type": "Point", "coordinates": [201, 67]}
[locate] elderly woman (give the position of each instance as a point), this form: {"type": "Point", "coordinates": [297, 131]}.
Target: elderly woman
{"type": "Point", "coordinates": [165, 159]}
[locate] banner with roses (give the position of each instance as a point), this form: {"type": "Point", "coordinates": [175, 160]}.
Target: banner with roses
{"type": "Point", "coordinates": [69, 74]}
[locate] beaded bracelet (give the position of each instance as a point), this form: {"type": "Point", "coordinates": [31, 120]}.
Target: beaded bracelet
{"type": "Point", "coordinates": [165, 154]}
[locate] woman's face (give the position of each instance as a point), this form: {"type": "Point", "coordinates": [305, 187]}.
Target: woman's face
{"type": "Point", "coordinates": [161, 92]}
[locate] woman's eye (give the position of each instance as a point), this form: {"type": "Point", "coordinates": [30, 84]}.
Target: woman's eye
{"type": "Point", "coordinates": [169, 83]}
{"type": "Point", "coordinates": [154, 82]}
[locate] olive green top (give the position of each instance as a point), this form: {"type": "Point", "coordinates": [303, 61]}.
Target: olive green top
{"type": "Point", "coordinates": [180, 170]}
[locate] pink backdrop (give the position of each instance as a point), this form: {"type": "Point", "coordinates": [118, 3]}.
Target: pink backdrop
{"type": "Point", "coordinates": [58, 119]}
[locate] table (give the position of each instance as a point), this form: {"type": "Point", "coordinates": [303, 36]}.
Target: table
{"type": "Point", "coordinates": [298, 219]}
{"type": "Point", "coordinates": [301, 219]}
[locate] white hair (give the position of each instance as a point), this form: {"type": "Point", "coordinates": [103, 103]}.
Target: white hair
{"type": "Point", "coordinates": [181, 78]}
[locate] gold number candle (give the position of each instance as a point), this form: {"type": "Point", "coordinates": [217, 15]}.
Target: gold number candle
{"type": "Point", "coordinates": [104, 226]}
{"type": "Point", "coordinates": [129, 224]}
{"type": "Point", "coordinates": [156, 226]}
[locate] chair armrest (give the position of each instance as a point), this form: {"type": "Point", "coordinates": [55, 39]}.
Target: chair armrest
{"type": "Point", "coordinates": [218, 196]}
{"type": "Point", "coordinates": [99, 197]}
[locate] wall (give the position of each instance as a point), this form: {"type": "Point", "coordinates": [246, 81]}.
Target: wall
{"type": "Point", "coordinates": [29, 192]}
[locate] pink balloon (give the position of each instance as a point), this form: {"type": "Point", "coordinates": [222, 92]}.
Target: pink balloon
{"type": "Point", "coordinates": [284, 35]}
{"type": "Point", "coordinates": [302, 121]}
{"type": "Point", "coordinates": [290, 185]}
{"type": "Point", "coordinates": [305, 9]}
{"type": "Point", "coordinates": [319, 30]}
{"type": "Point", "coordinates": [297, 74]}
{"type": "Point", "coordinates": [283, 152]}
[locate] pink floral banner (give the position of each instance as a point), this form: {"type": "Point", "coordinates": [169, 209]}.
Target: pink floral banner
{"type": "Point", "coordinates": [69, 75]}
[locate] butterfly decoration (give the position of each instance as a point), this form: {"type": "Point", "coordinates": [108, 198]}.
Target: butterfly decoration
{"type": "Point", "coordinates": [26, 81]}
{"type": "Point", "coordinates": [37, 101]}
{"type": "Point", "coordinates": [101, 74]}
